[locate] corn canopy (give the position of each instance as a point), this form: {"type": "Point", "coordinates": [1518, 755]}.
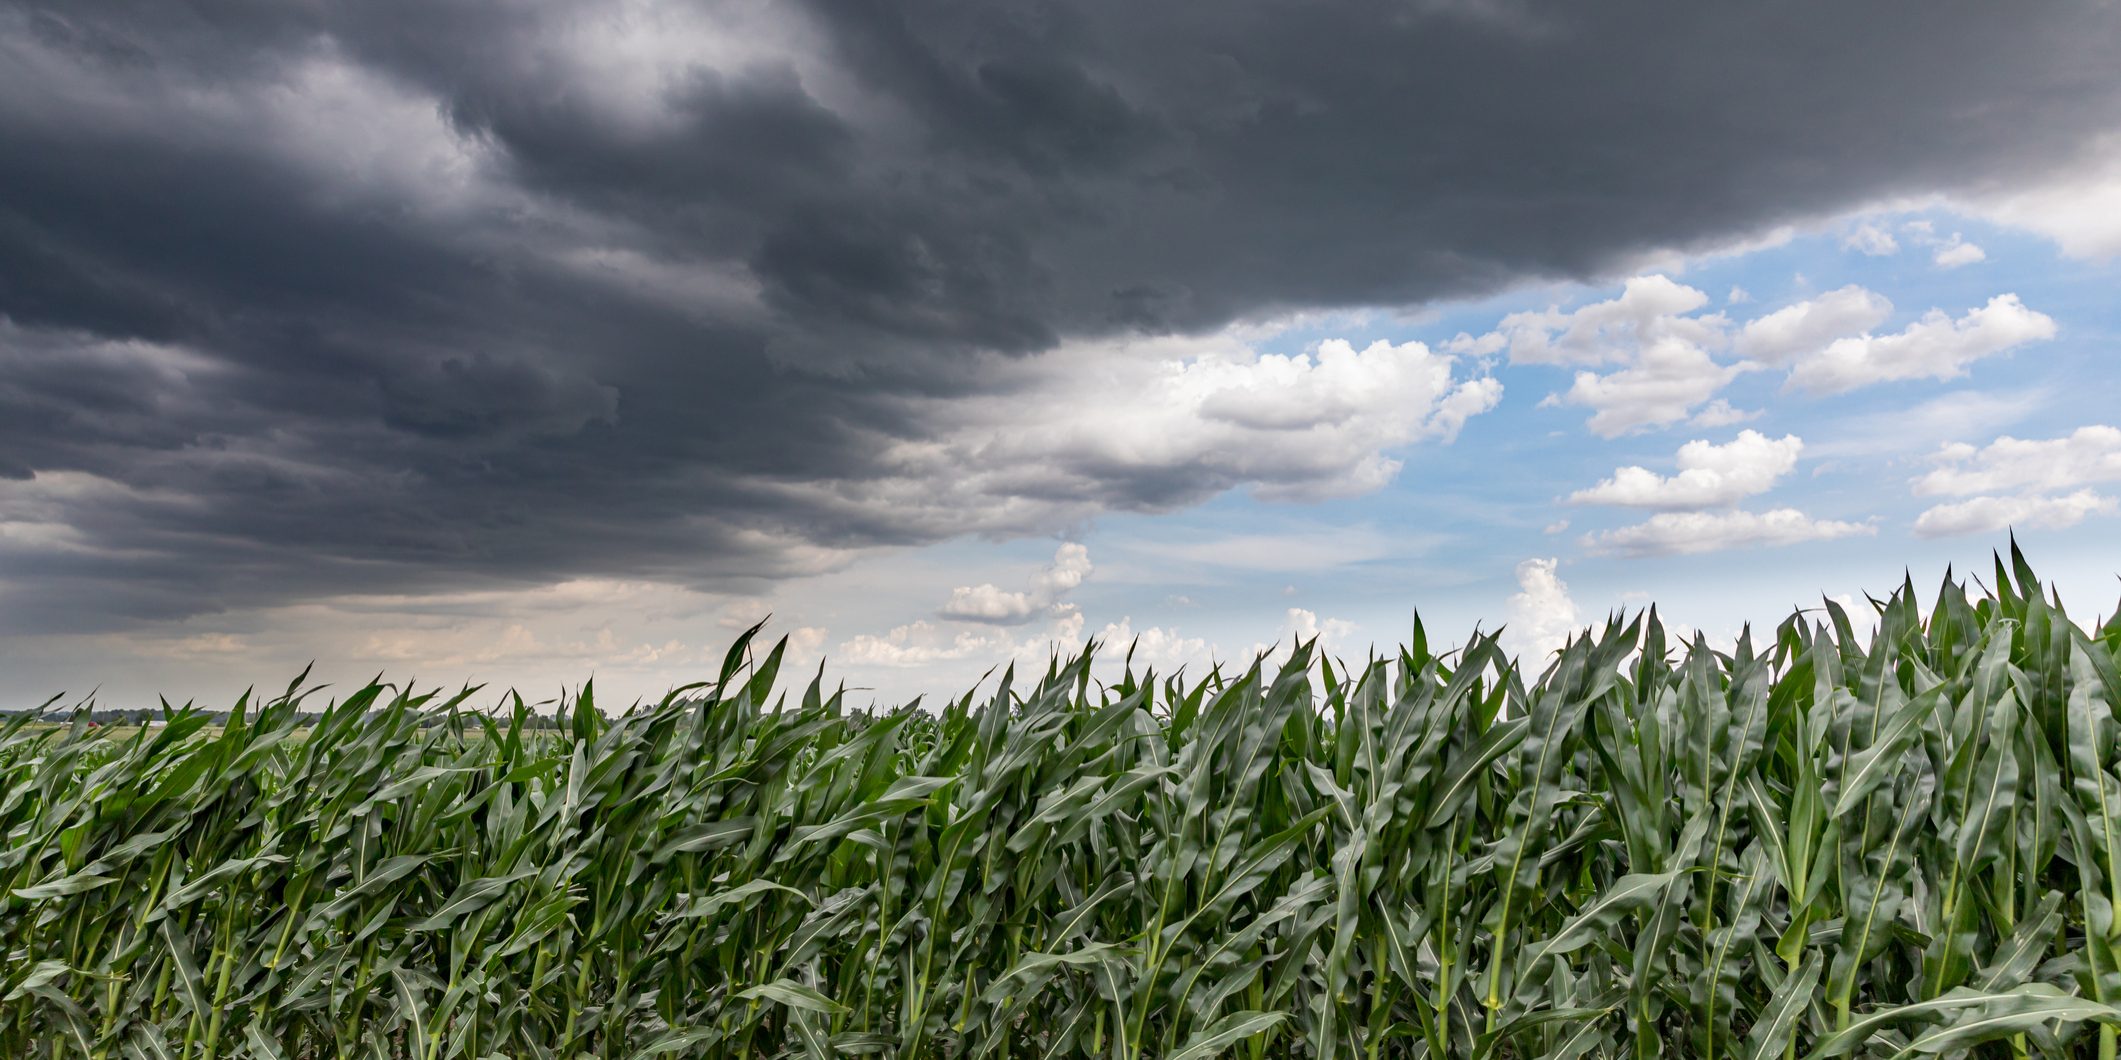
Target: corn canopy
{"type": "Point", "coordinates": [1818, 844]}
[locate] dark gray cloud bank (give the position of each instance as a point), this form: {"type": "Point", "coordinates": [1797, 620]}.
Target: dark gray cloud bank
{"type": "Point", "coordinates": [306, 298]}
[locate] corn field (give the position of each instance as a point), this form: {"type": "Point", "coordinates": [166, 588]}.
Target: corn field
{"type": "Point", "coordinates": [1822, 843]}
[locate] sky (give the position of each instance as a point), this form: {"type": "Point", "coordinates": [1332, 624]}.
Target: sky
{"type": "Point", "coordinates": [523, 343]}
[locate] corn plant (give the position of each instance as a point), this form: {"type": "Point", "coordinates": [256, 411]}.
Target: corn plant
{"type": "Point", "coordinates": [1820, 843]}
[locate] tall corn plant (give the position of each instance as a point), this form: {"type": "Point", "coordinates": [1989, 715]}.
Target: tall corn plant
{"type": "Point", "coordinates": [1891, 836]}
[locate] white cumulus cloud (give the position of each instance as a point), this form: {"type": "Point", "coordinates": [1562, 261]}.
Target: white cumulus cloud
{"type": "Point", "coordinates": [1809, 326]}
{"type": "Point", "coordinates": [1680, 533]}
{"type": "Point", "coordinates": [1668, 380]}
{"type": "Point", "coordinates": [2021, 480]}
{"type": "Point", "coordinates": [1990, 514]}
{"type": "Point", "coordinates": [1542, 616]}
{"type": "Point", "coordinates": [1334, 636]}
{"type": "Point", "coordinates": [1159, 423]}
{"type": "Point", "coordinates": [1653, 357]}
{"type": "Point", "coordinates": [1648, 310]}
{"type": "Point", "coordinates": [1306, 625]}
{"type": "Point", "coordinates": [1935, 347]}
{"type": "Point", "coordinates": [1956, 252]}
{"type": "Point", "coordinates": [1708, 475]}
{"type": "Point", "coordinates": [1719, 413]}
{"type": "Point", "coordinates": [991, 603]}
{"type": "Point", "coordinates": [924, 643]}
{"type": "Point", "coordinates": [1155, 647]}
{"type": "Point", "coordinates": [1667, 368]}
{"type": "Point", "coordinates": [2086, 455]}
{"type": "Point", "coordinates": [1872, 240]}
{"type": "Point", "coordinates": [917, 643]}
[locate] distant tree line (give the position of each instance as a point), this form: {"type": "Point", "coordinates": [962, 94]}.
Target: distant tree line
{"type": "Point", "coordinates": [144, 716]}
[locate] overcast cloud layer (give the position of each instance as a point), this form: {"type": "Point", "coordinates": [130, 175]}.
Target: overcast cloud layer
{"type": "Point", "coordinates": [314, 298]}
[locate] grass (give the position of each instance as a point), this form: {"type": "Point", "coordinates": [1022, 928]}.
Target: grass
{"type": "Point", "coordinates": [1818, 844]}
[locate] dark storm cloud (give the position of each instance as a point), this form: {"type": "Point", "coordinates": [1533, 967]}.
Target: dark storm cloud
{"type": "Point", "coordinates": [396, 296]}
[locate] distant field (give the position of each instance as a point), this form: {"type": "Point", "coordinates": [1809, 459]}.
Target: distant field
{"type": "Point", "coordinates": [1830, 842]}
{"type": "Point", "coordinates": [109, 732]}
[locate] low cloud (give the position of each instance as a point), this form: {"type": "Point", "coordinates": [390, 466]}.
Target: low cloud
{"type": "Point", "coordinates": [1158, 424]}
{"type": "Point", "coordinates": [1956, 252]}
{"type": "Point", "coordinates": [1674, 359]}
{"type": "Point", "coordinates": [1806, 327]}
{"type": "Point", "coordinates": [1708, 475]}
{"type": "Point", "coordinates": [1306, 625]}
{"type": "Point", "coordinates": [1982, 515]}
{"type": "Point", "coordinates": [1666, 383]}
{"type": "Point", "coordinates": [1332, 637]}
{"type": "Point", "coordinates": [1720, 413]}
{"type": "Point", "coordinates": [1687, 533]}
{"type": "Point", "coordinates": [1695, 505]}
{"type": "Point", "coordinates": [1872, 239]}
{"type": "Point", "coordinates": [990, 603]}
{"type": "Point", "coordinates": [1669, 369]}
{"type": "Point", "coordinates": [2087, 455]}
{"type": "Point", "coordinates": [1935, 347]}
{"type": "Point", "coordinates": [1163, 649]}
{"type": "Point", "coordinates": [1829, 345]}
{"type": "Point", "coordinates": [1650, 310]}
{"type": "Point", "coordinates": [2024, 479]}
{"type": "Point", "coordinates": [923, 643]}
{"type": "Point", "coordinates": [959, 648]}
{"type": "Point", "coordinates": [1303, 549]}
{"type": "Point", "coordinates": [1542, 616]}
